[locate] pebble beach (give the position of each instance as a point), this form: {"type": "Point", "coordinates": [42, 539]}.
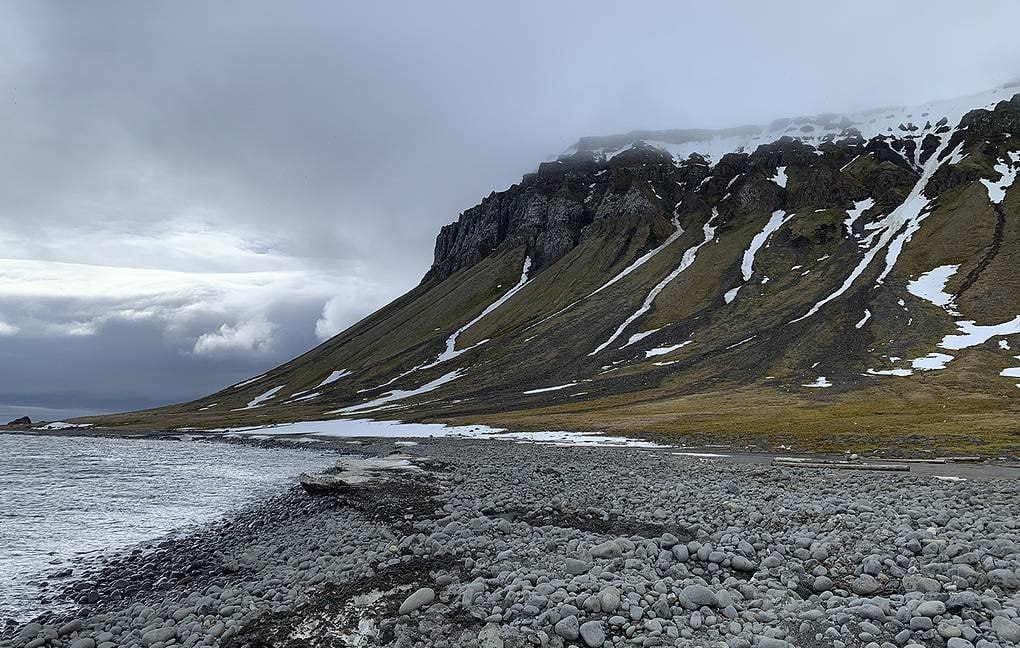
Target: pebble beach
{"type": "Point", "coordinates": [482, 543]}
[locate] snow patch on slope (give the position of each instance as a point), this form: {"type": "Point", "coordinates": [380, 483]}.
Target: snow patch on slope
{"type": "Point", "coordinates": [997, 189]}
{"type": "Point", "coordinates": [891, 372]}
{"type": "Point", "coordinates": [855, 212]}
{"type": "Point", "coordinates": [820, 382]}
{"type": "Point", "coordinates": [971, 334]}
{"type": "Point", "coordinates": [780, 177]}
{"type": "Point", "coordinates": [777, 220]}
{"type": "Point", "coordinates": [399, 394]}
{"type": "Point", "coordinates": [308, 394]}
{"type": "Point", "coordinates": [261, 398]}
{"type": "Point", "coordinates": [637, 337]}
{"type": "Point", "coordinates": [333, 377]}
{"type": "Point", "coordinates": [912, 212]}
{"type": "Point", "coordinates": [249, 381]}
{"type": "Point", "coordinates": [658, 351]}
{"type": "Point", "coordinates": [61, 425]}
{"type": "Point", "coordinates": [355, 428]}
{"type": "Point", "coordinates": [640, 261]}
{"type": "Point", "coordinates": [815, 130]}
{"type": "Point", "coordinates": [296, 398]}
{"type": "Point", "coordinates": [451, 342]}
{"type": "Point", "coordinates": [894, 231]}
{"type": "Point", "coordinates": [1011, 372]}
{"type": "Point", "coordinates": [931, 287]}
{"type": "Point", "coordinates": [932, 362]}
{"type": "Point", "coordinates": [688, 259]}
{"type": "Point", "coordinates": [549, 389]}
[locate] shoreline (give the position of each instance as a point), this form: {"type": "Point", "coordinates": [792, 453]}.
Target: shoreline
{"type": "Point", "coordinates": [823, 439]}
{"type": "Point", "coordinates": [517, 542]}
{"type": "Point", "coordinates": [263, 437]}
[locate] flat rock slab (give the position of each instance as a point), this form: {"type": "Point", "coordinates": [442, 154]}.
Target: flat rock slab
{"type": "Point", "coordinates": [420, 598]}
{"type": "Point", "coordinates": [357, 472]}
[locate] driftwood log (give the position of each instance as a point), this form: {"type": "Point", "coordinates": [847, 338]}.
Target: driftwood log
{"type": "Point", "coordinates": [786, 462]}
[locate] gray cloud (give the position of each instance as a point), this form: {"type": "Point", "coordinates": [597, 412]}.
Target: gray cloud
{"type": "Point", "coordinates": [192, 192]}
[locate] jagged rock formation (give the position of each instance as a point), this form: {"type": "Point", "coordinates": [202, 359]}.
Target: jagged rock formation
{"type": "Point", "coordinates": [552, 210]}
{"type": "Point", "coordinates": [835, 276]}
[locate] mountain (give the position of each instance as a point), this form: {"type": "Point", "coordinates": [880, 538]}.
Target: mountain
{"type": "Point", "coordinates": [832, 281]}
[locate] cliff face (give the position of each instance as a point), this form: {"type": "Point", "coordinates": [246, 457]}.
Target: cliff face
{"type": "Point", "coordinates": [853, 273]}
{"type": "Point", "coordinates": [550, 210]}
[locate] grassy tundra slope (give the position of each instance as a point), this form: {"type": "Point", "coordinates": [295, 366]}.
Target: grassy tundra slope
{"type": "Point", "coordinates": [829, 282]}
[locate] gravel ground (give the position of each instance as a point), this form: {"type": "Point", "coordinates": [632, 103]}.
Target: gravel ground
{"type": "Point", "coordinates": [495, 544]}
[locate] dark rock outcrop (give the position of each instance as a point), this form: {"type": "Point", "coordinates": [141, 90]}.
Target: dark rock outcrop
{"type": "Point", "coordinates": [24, 420]}
{"type": "Point", "coordinates": [549, 211]}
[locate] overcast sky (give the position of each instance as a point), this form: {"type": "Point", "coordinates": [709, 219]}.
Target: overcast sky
{"type": "Point", "coordinates": [192, 192]}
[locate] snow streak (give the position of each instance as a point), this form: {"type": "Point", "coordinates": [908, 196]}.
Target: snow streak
{"type": "Point", "coordinates": [640, 261]}
{"type": "Point", "coordinates": [549, 389]}
{"type": "Point", "coordinates": [685, 263]}
{"type": "Point", "coordinates": [333, 377]}
{"type": "Point", "coordinates": [894, 231]}
{"type": "Point", "coordinates": [778, 219]}
{"type": "Point", "coordinates": [261, 398]}
{"type": "Point", "coordinates": [451, 342]}
{"type": "Point", "coordinates": [399, 394]}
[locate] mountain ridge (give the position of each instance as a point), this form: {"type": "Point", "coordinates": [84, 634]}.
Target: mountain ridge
{"type": "Point", "coordinates": [642, 289]}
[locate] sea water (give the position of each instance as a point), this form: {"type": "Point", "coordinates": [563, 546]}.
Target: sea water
{"type": "Point", "coordinates": [64, 499]}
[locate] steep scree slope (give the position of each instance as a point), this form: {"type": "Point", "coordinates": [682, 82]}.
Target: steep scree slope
{"type": "Point", "coordinates": [829, 281]}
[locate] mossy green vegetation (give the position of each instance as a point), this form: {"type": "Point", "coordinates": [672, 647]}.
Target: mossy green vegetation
{"type": "Point", "coordinates": [815, 349]}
